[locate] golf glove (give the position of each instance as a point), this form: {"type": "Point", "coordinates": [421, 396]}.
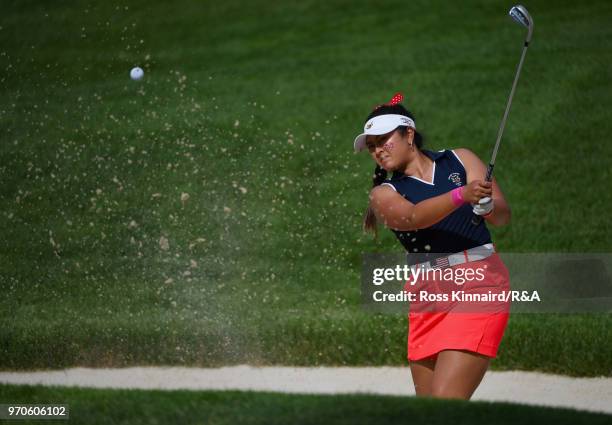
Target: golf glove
{"type": "Point", "coordinates": [483, 207]}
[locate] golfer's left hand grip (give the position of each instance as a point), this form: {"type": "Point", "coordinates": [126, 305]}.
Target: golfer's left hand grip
{"type": "Point", "coordinates": [477, 219]}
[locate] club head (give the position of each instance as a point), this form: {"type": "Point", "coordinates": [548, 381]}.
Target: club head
{"type": "Point", "coordinates": [519, 14]}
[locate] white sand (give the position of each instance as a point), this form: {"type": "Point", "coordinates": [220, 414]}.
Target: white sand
{"type": "Point", "coordinates": [593, 394]}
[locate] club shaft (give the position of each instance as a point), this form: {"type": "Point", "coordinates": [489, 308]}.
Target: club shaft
{"type": "Point", "coordinates": [476, 219]}
{"type": "Point", "coordinates": [503, 122]}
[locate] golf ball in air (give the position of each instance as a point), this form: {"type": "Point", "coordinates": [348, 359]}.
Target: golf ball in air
{"type": "Point", "coordinates": [136, 73]}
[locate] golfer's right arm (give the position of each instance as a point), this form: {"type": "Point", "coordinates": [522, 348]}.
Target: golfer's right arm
{"type": "Point", "coordinates": [397, 213]}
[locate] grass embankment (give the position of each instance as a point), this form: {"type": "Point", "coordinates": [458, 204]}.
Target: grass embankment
{"type": "Point", "coordinates": [89, 406]}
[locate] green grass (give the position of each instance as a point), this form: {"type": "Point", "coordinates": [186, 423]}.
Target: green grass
{"type": "Point", "coordinates": [251, 108]}
{"type": "Point", "coordinates": [89, 406]}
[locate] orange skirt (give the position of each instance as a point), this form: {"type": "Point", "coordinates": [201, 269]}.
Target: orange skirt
{"type": "Point", "coordinates": [477, 327]}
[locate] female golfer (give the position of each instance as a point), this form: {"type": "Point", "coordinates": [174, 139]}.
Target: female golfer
{"type": "Point", "coordinates": [429, 203]}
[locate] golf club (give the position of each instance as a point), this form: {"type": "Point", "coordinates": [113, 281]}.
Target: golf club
{"type": "Point", "coordinates": [519, 14]}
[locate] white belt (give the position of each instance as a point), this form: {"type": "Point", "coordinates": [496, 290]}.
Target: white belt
{"type": "Point", "coordinates": [472, 254]}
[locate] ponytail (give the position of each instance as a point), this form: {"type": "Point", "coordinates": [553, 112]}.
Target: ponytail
{"type": "Point", "coordinates": [369, 219]}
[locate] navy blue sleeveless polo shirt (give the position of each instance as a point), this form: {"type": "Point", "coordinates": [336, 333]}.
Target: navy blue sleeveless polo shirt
{"type": "Point", "coordinates": [455, 232]}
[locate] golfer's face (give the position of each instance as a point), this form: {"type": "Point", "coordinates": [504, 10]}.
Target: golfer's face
{"type": "Point", "coordinates": [387, 149]}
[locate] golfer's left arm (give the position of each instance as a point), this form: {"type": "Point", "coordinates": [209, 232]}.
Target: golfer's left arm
{"type": "Point", "coordinates": [476, 170]}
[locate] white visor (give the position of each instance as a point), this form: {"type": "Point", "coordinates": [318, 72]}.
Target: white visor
{"type": "Point", "coordinates": [381, 124]}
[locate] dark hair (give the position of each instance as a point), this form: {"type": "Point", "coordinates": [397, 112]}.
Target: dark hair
{"type": "Point", "coordinates": [380, 174]}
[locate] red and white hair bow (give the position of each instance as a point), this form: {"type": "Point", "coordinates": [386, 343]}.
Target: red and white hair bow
{"type": "Point", "coordinates": [397, 98]}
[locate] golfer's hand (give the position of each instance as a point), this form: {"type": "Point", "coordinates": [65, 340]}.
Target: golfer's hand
{"type": "Point", "coordinates": [484, 206]}
{"type": "Point", "coordinates": [476, 190]}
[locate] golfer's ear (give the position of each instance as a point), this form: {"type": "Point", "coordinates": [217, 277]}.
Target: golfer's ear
{"type": "Point", "coordinates": [410, 134]}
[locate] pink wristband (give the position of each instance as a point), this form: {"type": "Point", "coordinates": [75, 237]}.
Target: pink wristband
{"type": "Point", "coordinates": [457, 196]}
